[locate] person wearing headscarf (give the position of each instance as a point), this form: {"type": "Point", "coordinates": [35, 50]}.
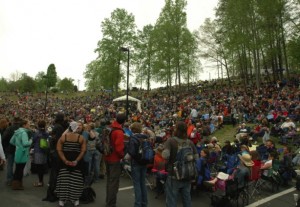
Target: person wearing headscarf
{"type": "Point", "coordinates": [71, 148]}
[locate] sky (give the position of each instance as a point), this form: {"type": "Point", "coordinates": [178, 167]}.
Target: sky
{"type": "Point", "coordinates": [36, 33]}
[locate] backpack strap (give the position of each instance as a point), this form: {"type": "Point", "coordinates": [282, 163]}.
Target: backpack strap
{"type": "Point", "coordinates": [78, 138]}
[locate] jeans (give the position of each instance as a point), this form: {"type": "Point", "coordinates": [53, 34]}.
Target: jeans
{"type": "Point", "coordinates": [174, 188]}
{"type": "Point", "coordinates": [93, 157]}
{"type": "Point", "coordinates": [10, 158]}
{"type": "Point", "coordinates": [138, 173]}
{"type": "Point", "coordinates": [113, 181]}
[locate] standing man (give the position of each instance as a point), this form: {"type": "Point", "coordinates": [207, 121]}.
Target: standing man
{"type": "Point", "coordinates": [113, 164]}
{"type": "Point", "coordinates": [175, 186]}
{"type": "Point", "coordinates": [10, 149]}
{"type": "Point", "coordinates": [57, 131]}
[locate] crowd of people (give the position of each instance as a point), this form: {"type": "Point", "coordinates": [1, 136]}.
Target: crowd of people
{"type": "Point", "coordinates": [73, 129]}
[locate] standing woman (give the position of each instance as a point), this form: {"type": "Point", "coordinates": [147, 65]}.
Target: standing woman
{"type": "Point", "coordinates": [40, 155]}
{"type": "Point", "coordinates": [71, 148]}
{"type": "Point", "coordinates": [22, 142]}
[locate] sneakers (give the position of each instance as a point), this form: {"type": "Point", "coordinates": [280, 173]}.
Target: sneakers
{"type": "Point", "coordinates": [61, 203]}
{"type": "Point", "coordinates": [76, 203]}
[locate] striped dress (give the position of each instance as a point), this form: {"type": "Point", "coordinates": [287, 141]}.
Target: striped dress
{"type": "Point", "coordinates": [69, 184]}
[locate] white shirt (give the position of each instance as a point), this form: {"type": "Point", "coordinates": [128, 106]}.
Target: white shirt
{"type": "Point", "coordinates": [2, 155]}
{"type": "Point", "coordinates": [287, 124]}
{"type": "Point", "coordinates": [194, 113]}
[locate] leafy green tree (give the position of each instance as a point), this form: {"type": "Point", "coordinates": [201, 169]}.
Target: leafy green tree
{"type": "Point", "coordinates": [3, 84]}
{"type": "Point", "coordinates": [145, 52]}
{"type": "Point", "coordinates": [41, 81]}
{"type": "Point", "coordinates": [118, 31]}
{"type": "Point", "coordinates": [66, 85]}
{"type": "Point", "coordinates": [26, 83]}
{"type": "Point", "coordinates": [51, 76]}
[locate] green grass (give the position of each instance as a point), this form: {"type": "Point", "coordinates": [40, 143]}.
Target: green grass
{"type": "Point", "coordinates": [226, 133]}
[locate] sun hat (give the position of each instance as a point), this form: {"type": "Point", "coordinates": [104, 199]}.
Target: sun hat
{"type": "Point", "coordinates": [246, 159]}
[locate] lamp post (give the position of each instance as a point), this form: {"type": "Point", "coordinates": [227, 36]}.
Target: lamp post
{"type": "Point", "coordinates": [46, 98]}
{"type": "Point", "coordinates": [124, 49]}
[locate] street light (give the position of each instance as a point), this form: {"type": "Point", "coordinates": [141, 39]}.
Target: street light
{"type": "Point", "coordinates": [45, 109]}
{"type": "Point", "coordinates": [124, 49]}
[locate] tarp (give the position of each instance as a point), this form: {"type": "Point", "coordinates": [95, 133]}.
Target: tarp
{"type": "Point", "coordinates": [130, 98]}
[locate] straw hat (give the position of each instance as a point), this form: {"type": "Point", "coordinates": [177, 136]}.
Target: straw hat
{"type": "Point", "coordinates": [246, 159]}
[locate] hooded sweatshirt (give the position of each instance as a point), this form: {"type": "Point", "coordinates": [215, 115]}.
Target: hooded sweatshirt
{"type": "Point", "coordinates": [22, 142]}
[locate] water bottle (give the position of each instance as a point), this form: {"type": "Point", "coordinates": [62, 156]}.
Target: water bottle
{"type": "Point", "coordinates": [176, 172]}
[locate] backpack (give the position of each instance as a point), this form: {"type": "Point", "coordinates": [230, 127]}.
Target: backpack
{"type": "Point", "coordinates": [185, 163]}
{"type": "Point", "coordinates": [43, 143]}
{"type": "Point", "coordinates": [105, 146]}
{"type": "Point", "coordinates": [145, 153]}
{"type": "Point", "coordinates": [88, 195]}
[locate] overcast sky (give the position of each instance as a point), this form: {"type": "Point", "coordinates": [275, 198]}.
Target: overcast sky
{"type": "Point", "coordinates": [36, 33]}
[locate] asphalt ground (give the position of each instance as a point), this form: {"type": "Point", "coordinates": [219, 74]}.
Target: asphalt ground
{"type": "Point", "coordinates": [32, 196]}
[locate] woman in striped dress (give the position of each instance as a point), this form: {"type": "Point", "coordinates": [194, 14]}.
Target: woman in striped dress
{"type": "Point", "coordinates": [71, 148]}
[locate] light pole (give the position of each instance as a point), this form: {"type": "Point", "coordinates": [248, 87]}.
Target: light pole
{"type": "Point", "coordinates": [124, 49]}
{"type": "Point", "coordinates": [45, 109]}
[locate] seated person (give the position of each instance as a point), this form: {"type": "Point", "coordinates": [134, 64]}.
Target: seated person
{"type": "Point", "coordinates": [289, 134]}
{"type": "Point", "coordinates": [242, 131]}
{"type": "Point", "coordinates": [239, 174]}
{"type": "Point", "coordinates": [216, 147]}
{"type": "Point", "coordinates": [202, 167]}
{"type": "Point", "coordinates": [287, 124]}
{"type": "Point", "coordinates": [227, 149]}
{"type": "Point", "coordinates": [267, 166]}
{"type": "Point", "coordinates": [159, 168]}
{"type": "Point", "coordinates": [195, 136]}
{"type": "Point", "coordinates": [285, 167]}
{"type": "Point", "coordinates": [244, 150]}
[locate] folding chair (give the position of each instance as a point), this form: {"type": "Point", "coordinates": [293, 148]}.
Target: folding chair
{"type": "Point", "coordinates": [254, 180]}
{"type": "Point", "coordinates": [273, 178]}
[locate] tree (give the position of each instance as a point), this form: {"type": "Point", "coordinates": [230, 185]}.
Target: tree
{"type": "Point", "coordinates": [66, 85]}
{"type": "Point", "coordinates": [51, 76]}
{"type": "Point", "coordinates": [26, 83]}
{"type": "Point", "coordinates": [144, 51]}
{"type": "Point", "coordinates": [118, 31]}
{"type": "Point", "coordinates": [41, 81]}
{"type": "Point", "coordinates": [3, 84]}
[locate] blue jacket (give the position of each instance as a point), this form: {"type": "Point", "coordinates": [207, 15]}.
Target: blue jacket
{"type": "Point", "coordinates": [134, 145]}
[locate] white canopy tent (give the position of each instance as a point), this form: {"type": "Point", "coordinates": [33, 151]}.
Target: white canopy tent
{"type": "Point", "coordinates": [130, 98]}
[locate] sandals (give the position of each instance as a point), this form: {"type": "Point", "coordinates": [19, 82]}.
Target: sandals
{"type": "Point", "coordinates": [38, 184]}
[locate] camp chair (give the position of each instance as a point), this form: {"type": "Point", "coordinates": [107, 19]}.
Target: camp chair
{"type": "Point", "coordinates": [254, 185]}
{"type": "Point", "coordinates": [273, 179]}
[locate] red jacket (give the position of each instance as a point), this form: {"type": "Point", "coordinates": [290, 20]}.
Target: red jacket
{"type": "Point", "coordinates": [117, 142]}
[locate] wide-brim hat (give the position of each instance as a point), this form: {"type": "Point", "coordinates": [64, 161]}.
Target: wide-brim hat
{"type": "Point", "coordinates": [246, 159]}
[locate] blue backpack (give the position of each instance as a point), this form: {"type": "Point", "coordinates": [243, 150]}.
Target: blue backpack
{"type": "Point", "coordinates": [145, 152]}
